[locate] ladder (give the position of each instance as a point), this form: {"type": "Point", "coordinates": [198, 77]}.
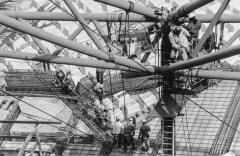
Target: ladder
{"type": "Point", "coordinates": [79, 110]}
{"type": "Point", "coordinates": [165, 138]}
{"type": "Point", "coordinates": [168, 136]}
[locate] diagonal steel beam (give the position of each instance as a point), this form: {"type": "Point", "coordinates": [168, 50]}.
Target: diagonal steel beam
{"type": "Point", "coordinates": [84, 25]}
{"type": "Point", "coordinates": [71, 37]}
{"type": "Point", "coordinates": [23, 27]}
{"type": "Point", "coordinates": [231, 40]}
{"type": "Point", "coordinates": [210, 27]}
{"type": "Point", "coordinates": [62, 60]}
{"type": "Point", "coordinates": [103, 33]}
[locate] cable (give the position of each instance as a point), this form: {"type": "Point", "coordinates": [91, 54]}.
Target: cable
{"type": "Point", "coordinates": [98, 35]}
{"type": "Point", "coordinates": [206, 111]}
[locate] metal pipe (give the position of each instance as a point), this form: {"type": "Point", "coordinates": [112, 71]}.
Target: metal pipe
{"type": "Point", "coordinates": [23, 27]}
{"type": "Point", "coordinates": [131, 7]}
{"type": "Point", "coordinates": [210, 27]}
{"type": "Point", "coordinates": [62, 60]}
{"type": "Point", "coordinates": [232, 39]}
{"type": "Point", "coordinates": [221, 54]}
{"type": "Point", "coordinates": [149, 12]}
{"type": "Point", "coordinates": [201, 73]}
{"type": "Point", "coordinates": [40, 45]}
{"type": "Point", "coordinates": [29, 122]}
{"type": "Point", "coordinates": [83, 23]}
{"type": "Point", "coordinates": [109, 17]}
{"type": "Point", "coordinates": [103, 33]}
{"type": "Point", "coordinates": [189, 7]}
{"type": "Point", "coordinates": [62, 16]}
{"type": "Point", "coordinates": [71, 37]}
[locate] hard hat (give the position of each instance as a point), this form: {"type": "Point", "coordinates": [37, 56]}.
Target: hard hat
{"type": "Point", "coordinates": [177, 29]}
{"type": "Point", "coordinates": [191, 15]}
{"type": "Point", "coordinates": [144, 121]}
{"type": "Point", "coordinates": [117, 118]}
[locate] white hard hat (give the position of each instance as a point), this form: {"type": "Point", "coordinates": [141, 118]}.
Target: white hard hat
{"type": "Point", "coordinates": [191, 15]}
{"type": "Point", "coordinates": [117, 118]}
{"type": "Point", "coordinates": [144, 121]}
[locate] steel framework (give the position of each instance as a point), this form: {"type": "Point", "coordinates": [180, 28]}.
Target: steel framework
{"type": "Point", "coordinates": [106, 54]}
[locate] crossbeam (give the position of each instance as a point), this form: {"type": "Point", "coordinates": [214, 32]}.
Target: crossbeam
{"type": "Point", "coordinates": [29, 122]}
{"type": "Point", "coordinates": [62, 60]}
{"type": "Point", "coordinates": [24, 27]}
{"type": "Point", "coordinates": [109, 17]}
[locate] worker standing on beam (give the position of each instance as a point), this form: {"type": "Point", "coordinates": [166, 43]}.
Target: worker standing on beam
{"type": "Point", "coordinates": [193, 27]}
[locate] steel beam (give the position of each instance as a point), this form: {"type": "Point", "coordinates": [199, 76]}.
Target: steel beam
{"type": "Point", "coordinates": [201, 73]}
{"type": "Point", "coordinates": [40, 45]}
{"type": "Point", "coordinates": [109, 17]}
{"type": "Point", "coordinates": [71, 37]}
{"type": "Point", "coordinates": [103, 33]}
{"type": "Point", "coordinates": [29, 122]}
{"type": "Point", "coordinates": [83, 23]}
{"type": "Point", "coordinates": [231, 40]}
{"type": "Point", "coordinates": [23, 27]}
{"type": "Point", "coordinates": [62, 60]}
{"type": "Point", "coordinates": [221, 54]}
{"type": "Point", "coordinates": [226, 18]}
{"type": "Point", "coordinates": [149, 12]}
{"type": "Point", "coordinates": [61, 16]}
{"type": "Point", "coordinates": [131, 7]}
{"type": "Point", "coordinates": [210, 27]}
{"type": "Point", "coordinates": [189, 7]}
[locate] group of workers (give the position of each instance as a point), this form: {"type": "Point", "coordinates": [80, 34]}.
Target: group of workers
{"type": "Point", "coordinates": [183, 38]}
{"type": "Point", "coordinates": [124, 134]}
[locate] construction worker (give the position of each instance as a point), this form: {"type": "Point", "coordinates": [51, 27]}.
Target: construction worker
{"type": "Point", "coordinates": [128, 133]}
{"type": "Point", "coordinates": [99, 75]}
{"type": "Point", "coordinates": [59, 77]}
{"type": "Point", "coordinates": [144, 135]}
{"type": "Point", "coordinates": [193, 27]}
{"type": "Point", "coordinates": [180, 45]}
{"type": "Point", "coordinates": [68, 83]}
{"type": "Point", "coordinates": [117, 131]}
{"type": "Point", "coordinates": [98, 89]}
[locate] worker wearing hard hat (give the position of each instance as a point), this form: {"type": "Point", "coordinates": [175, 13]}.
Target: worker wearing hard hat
{"type": "Point", "coordinates": [144, 135]}
{"type": "Point", "coordinates": [193, 27]}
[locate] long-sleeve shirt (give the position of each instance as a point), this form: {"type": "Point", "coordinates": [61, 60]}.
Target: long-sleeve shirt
{"type": "Point", "coordinates": [180, 40]}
